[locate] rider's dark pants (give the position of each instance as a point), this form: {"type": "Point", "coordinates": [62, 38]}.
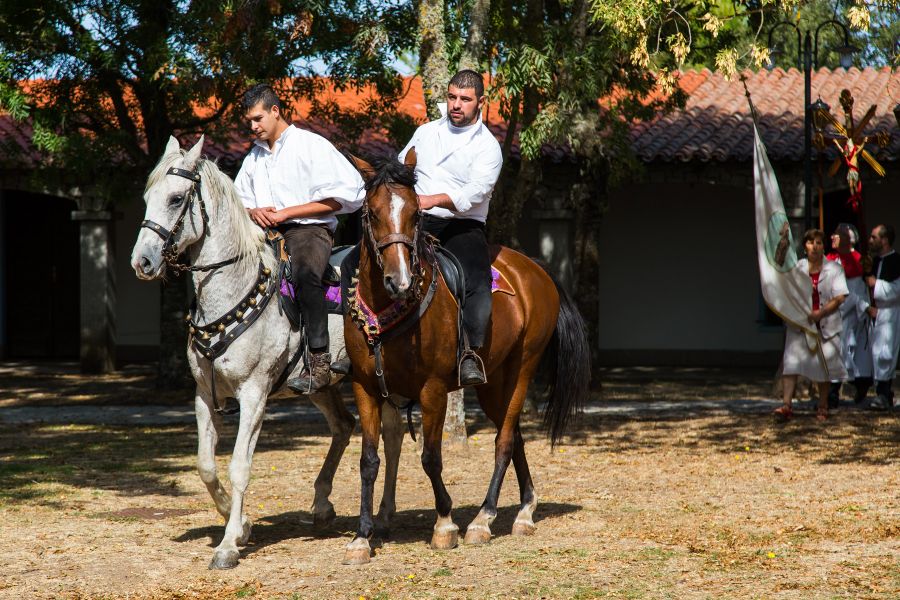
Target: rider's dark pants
{"type": "Point", "coordinates": [310, 249]}
{"type": "Point", "coordinates": [465, 238]}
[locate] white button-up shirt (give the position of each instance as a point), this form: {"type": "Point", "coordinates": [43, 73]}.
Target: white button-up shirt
{"type": "Point", "coordinates": [462, 162]}
{"type": "Point", "coordinates": [302, 167]}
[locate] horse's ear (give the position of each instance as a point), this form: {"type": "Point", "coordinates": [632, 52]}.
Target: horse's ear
{"type": "Point", "coordinates": [193, 154]}
{"type": "Point", "coordinates": [364, 168]}
{"type": "Point", "coordinates": [410, 159]}
{"type": "Point", "coordinates": [173, 146]}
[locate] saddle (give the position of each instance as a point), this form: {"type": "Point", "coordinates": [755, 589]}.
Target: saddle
{"type": "Point", "coordinates": [330, 279]}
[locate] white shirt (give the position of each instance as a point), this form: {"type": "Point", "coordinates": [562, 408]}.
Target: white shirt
{"type": "Point", "coordinates": [302, 167]}
{"type": "Point", "coordinates": [462, 162]}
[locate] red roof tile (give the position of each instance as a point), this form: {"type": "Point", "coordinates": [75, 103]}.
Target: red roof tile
{"type": "Point", "coordinates": [713, 126]}
{"type": "Point", "coordinates": [715, 123]}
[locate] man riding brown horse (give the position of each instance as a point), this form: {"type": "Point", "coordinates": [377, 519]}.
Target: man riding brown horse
{"type": "Point", "coordinates": [458, 162]}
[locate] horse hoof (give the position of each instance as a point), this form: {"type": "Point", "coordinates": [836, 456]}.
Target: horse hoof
{"type": "Point", "coordinates": [444, 540]}
{"type": "Point", "coordinates": [245, 533]}
{"type": "Point", "coordinates": [227, 559]}
{"type": "Point", "coordinates": [324, 519]}
{"type": "Point", "coordinates": [477, 534]}
{"type": "Point", "coordinates": [523, 528]}
{"type": "Point", "coordinates": [357, 553]}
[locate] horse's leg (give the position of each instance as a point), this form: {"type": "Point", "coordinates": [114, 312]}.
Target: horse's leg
{"type": "Point", "coordinates": [503, 403]}
{"type": "Point", "coordinates": [524, 524]}
{"type": "Point", "coordinates": [359, 551]}
{"type": "Point", "coordinates": [341, 424]}
{"type": "Point", "coordinates": [208, 425]}
{"type": "Point", "coordinates": [392, 434]}
{"type": "Point", "coordinates": [490, 397]}
{"type": "Point", "coordinates": [434, 404]}
{"type": "Point", "coordinates": [237, 531]}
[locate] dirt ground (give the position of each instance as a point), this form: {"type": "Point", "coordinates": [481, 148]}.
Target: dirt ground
{"type": "Point", "coordinates": [704, 504]}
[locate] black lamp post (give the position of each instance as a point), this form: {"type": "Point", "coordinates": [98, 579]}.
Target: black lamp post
{"type": "Point", "coordinates": [808, 59]}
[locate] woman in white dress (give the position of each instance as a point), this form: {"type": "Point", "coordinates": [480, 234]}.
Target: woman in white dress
{"type": "Point", "coordinates": [821, 365]}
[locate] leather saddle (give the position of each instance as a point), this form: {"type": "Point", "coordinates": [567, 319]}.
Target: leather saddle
{"type": "Point", "coordinates": [330, 279]}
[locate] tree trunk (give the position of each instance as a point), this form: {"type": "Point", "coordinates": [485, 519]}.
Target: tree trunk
{"type": "Point", "coordinates": [173, 370]}
{"type": "Point", "coordinates": [473, 53]}
{"type": "Point", "coordinates": [435, 76]}
{"type": "Point", "coordinates": [433, 55]}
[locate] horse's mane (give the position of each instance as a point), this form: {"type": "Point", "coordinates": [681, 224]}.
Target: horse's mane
{"type": "Point", "coordinates": [390, 170]}
{"type": "Point", "coordinates": [247, 239]}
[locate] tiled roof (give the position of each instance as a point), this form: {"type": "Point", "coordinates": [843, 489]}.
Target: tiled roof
{"type": "Point", "coordinates": [713, 126]}
{"type": "Point", "coordinates": [715, 123]}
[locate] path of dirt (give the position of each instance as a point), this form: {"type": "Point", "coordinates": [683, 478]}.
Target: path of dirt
{"type": "Point", "coordinates": [685, 500]}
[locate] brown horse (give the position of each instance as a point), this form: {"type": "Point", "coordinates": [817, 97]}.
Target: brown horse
{"type": "Point", "coordinates": [397, 269]}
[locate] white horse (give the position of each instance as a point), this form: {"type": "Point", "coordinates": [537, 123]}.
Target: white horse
{"type": "Point", "coordinates": [192, 206]}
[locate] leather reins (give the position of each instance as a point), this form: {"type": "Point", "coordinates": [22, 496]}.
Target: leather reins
{"type": "Point", "coordinates": [170, 250]}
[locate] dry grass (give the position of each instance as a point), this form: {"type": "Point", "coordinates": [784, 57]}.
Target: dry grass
{"type": "Point", "coordinates": [698, 506]}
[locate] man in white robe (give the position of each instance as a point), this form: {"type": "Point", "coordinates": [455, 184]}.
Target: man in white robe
{"type": "Point", "coordinates": [458, 161]}
{"type": "Point", "coordinates": [884, 310]}
{"type": "Point", "coordinates": [296, 181]}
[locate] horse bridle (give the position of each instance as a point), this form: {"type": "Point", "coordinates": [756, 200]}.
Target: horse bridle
{"type": "Point", "coordinates": [390, 239]}
{"type": "Point", "coordinates": [170, 250]}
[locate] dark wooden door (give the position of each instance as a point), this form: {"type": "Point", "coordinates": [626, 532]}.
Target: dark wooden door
{"type": "Point", "coordinates": [41, 276]}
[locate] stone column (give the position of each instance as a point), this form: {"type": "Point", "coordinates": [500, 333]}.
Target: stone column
{"type": "Point", "coordinates": [555, 242]}
{"type": "Point", "coordinates": [98, 291]}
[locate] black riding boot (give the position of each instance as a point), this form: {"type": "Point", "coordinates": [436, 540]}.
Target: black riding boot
{"type": "Point", "coordinates": [471, 369]}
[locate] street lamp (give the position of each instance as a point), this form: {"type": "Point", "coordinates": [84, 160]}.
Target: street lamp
{"type": "Point", "coordinates": [807, 59]}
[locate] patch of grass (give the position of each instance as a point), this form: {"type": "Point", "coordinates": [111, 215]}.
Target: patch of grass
{"type": "Point", "coordinates": [656, 554]}
{"type": "Point", "coordinates": [585, 593]}
{"type": "Point", "coordinates": [442, 572]}
{"type": "Point", "coordinates": [248, 591]}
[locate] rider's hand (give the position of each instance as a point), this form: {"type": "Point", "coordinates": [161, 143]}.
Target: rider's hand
{"type": "Point", "coordinates": [260, 216]}
{"type": "Point", "coordinates": [872, 312]}
{"type": "Point", "coordinates": [274, 216]}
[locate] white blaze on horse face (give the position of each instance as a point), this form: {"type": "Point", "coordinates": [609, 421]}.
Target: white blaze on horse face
{"type": "Point", "coordinates": [397, 204]}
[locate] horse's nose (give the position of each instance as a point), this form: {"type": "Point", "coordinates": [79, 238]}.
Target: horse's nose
{"type": "Point", "coordinates": [146, 265]}
{"type": "Point", "coordinates": [397, 289]}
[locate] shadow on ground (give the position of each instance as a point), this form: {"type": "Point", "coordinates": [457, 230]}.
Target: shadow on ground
{"type": "Point", "coordinates": [132, 461]}
{"type": "Point", "coordinates": [408, 527]}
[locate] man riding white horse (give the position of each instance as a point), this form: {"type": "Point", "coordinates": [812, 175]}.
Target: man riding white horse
{"type": "Point", "coordinates": [458, 163]}
{"type": "Point", "coordinates": [296, 181]}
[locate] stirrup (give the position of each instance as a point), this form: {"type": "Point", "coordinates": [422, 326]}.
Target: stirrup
{"type": "Point", "coordinates": [342, 366]}
{"type": "Point", "coordinates": [467, 354]}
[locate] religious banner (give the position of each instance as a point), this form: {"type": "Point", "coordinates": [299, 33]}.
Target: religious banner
{"type": "Point", "coordinates": [786, 289]}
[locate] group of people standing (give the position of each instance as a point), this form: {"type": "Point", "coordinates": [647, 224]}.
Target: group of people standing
{"type": "Point", "coordinates": [296, 182]}
{"type": "Point", "coordinates": [856, 311]}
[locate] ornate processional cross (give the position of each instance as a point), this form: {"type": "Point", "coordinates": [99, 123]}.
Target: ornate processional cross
{"type": "Point", "coordinates": [852, 145]}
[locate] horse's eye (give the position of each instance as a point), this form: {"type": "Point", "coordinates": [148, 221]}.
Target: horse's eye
{"type": "Point", "coordinates": [176, 200]}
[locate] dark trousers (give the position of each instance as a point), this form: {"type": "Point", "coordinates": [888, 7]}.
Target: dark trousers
{"type": "Point", "coordinates": [310, 249]}
{"type": "Point", "coordinates": [465, 238]}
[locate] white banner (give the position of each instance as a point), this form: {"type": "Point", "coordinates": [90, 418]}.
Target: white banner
{"type": "Point", "coordinates": [786, 289]}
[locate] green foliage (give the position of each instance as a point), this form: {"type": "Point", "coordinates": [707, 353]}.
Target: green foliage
{"type": "Point", "coordinates": [109, 81]}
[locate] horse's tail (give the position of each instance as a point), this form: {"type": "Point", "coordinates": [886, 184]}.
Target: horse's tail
{"type": "Point", "coordinates": [568, 381]}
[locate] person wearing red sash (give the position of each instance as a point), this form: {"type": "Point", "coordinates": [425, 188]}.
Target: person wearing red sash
{"type": "Point", "coordinates": [855, 349]}
{"type": "Point", "coordinates": [823, 362]}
